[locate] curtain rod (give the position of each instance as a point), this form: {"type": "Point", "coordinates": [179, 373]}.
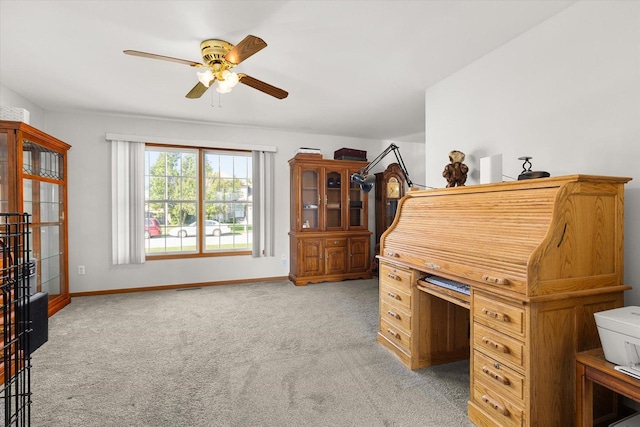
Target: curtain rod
{"type": "Point", "coordinates": [190, 142]}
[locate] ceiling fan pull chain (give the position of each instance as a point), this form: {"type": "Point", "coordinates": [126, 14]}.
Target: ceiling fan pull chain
{"type": "Point", "coordinates": [213, 102]}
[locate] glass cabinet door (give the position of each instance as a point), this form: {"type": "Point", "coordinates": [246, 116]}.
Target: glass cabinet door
{"type": "Point", "coordinates": [334, 199]}
{"type": "Point", "coordinates": [310, 199]}
{"type": "Point", "coordinates": [357, 206]}
{"type": "Point", "coordinates": [43, 199]}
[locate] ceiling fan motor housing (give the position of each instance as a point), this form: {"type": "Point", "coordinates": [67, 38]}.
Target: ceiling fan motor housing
{"type": "Point", "coordinates": [214, 51]}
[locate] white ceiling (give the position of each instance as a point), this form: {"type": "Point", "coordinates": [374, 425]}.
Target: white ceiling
{"type": "Point", "coordinates": [352, 68]}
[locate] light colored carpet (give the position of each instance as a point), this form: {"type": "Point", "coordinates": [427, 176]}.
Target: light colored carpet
{"type": "Point", "coordinates": [263, 354]}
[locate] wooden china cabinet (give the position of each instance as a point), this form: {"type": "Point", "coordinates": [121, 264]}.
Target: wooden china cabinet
{"type": "Point", "coordinates": [329, 238]}
{"type": "Point", "coordinates": [33, 180]}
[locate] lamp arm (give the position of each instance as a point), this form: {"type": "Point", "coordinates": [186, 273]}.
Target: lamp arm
{"type": "Point", "coordinates": [396, 150]}
{"type": "Point", "coordinates": [366, 169]}
{"type": "Point", "coordinates": [403, 168]}
{"type": "Point", "coordinates": [363, 178]}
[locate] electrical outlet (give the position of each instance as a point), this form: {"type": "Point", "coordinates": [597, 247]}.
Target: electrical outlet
{"type": "Point", "coordinates": [81, 269]}
{"type": "Point", "coordinates": [283, 260]}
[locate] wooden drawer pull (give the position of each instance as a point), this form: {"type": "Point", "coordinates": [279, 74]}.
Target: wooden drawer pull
{"type": "Point", "coordinates": [496, 346]}
{"type": "Point", "coordinates": [432, 265]}
{"type": "Point", "coordinates": [394, 276]}
{"type": "Point", "coordinates": [395, 315]}
{"type": "Point", "coordinates": [394, 296]}
{"type": "Point", "coordinates": [496, 280]}
{"type": "Point", "coordinates": [495, 375]}
{"type": "Point", "coordinates": [495, 405]}
{"type": "Point", "coordinates": [392, 254]}
{"type": "Point", "coordinates": [496, 315]}
{"type": "Point", "coordinates": [394, 333]}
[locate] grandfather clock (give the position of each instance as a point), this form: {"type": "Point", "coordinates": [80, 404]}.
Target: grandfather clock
{"type": "Point", "coordinates": [390, 188]}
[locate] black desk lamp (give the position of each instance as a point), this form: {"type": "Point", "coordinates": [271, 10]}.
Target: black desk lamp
{"type": "Point", "coordinates": [366, 181]}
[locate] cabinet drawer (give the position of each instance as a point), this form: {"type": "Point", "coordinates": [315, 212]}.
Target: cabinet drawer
{"type": "Point", "coordinates": [396, 335]}
{"type": "Point", "coordinates": [395, 297]}
{"type": "Point", "coordinates": [498, 346]}
{"type": "Point", "coordinates": [394, 316]}
{"type": "Point", "coordinates": [498, 376]}
{"type": "Point", "coordinates": [395, 276]}
{"type": "Point", "coordinates": [499, 315]}
{"type": "Point", "coordinates": [336, 243]}
{"type": "Point", "coordinates": [503, 411]}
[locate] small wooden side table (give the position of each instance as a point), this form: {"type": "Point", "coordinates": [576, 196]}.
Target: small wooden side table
{"type": "Point", "coordinates": [592, 367]}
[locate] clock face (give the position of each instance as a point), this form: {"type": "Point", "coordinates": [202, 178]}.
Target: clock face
{"type": "Point", "coordinates": [393, 188]}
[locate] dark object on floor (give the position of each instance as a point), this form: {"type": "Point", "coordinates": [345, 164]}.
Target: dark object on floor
{"type": "Point", "coordinates": [39, 320]}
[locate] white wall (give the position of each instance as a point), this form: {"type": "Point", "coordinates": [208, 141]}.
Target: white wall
{"type": "Point", "coordinates": [566, 93]}
{"type": "Point", "coordinates": [89, 199]}
{"type": "Point", "coordinates": [9, 98]}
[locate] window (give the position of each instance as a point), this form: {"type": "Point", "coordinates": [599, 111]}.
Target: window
{"type": "Point", "coordinates": [197, 201]}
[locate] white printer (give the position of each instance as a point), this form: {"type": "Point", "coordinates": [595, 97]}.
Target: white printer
{"type": "Point", "coordinates": [619, 331]}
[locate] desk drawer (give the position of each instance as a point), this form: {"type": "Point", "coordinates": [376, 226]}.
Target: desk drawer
{"type": "Point", "coordinates": [395, 297]}
{"type": "Point", "coordinates": [498, 346]}
{"type": "Point", "coordinates": [395, 276]}
{"type": "Point", "coordinates": [394, 316]}
{"type": "Point", "coordinates": [499, 315]}
{"type": "Point", "coordinates": [503, 411]}
{"type": "Point", "coordinates": [498, 376]}
{"type": "Point", "coordinates": [396, 335]}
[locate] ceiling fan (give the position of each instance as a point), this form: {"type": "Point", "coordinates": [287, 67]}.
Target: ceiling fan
{"type": "Point", "coordinates": [219, 58]}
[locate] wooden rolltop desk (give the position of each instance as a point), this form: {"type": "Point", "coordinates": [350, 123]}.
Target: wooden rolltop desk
{"type": "Point", "coordinates": [539, 257]}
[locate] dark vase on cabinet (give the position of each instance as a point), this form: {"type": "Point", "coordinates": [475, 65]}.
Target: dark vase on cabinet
{"type": "Point", "coordinates": [329, 238]}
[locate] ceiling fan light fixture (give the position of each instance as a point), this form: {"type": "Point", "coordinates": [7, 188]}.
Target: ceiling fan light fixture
{"type": "Point", "coordinates": [223, 87]}
{"type": "Point", "coordinates": [230, 78]}
{"type": "Point", "coordinates": [205, 77]}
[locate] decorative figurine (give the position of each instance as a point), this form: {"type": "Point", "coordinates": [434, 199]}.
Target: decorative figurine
{"type": "Point", "coordinates": [455, 172]}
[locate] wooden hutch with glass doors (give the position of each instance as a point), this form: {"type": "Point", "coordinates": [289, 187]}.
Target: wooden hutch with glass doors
{"type": "Point", "coordinates": [329, 239]}
{"type": "Point", "coordinates": [33, 180]}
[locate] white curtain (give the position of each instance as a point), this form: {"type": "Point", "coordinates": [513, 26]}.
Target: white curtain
{"type": "Point", "coordinates": [127, 202]}
{"type": "Point", "coordinates": [263, 199]}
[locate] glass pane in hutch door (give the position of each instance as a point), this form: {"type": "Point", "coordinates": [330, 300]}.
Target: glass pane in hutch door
{"type": "Point", "coordinates": [310, 198]}
{"type": "Point", "coordinates": [27, 186]}
{"type": "Point", "coordinates": [49, 203]}
{"type": "Point", "coordinates": [50, 259]}
{"type": "Point", "coordinates": [334, 200]}
{"type": "Point", "coordinates": [356, 211]}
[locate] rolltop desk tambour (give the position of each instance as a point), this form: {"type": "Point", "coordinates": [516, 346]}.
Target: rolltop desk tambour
{"type": "Point", "coordinates": [540, 256]}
